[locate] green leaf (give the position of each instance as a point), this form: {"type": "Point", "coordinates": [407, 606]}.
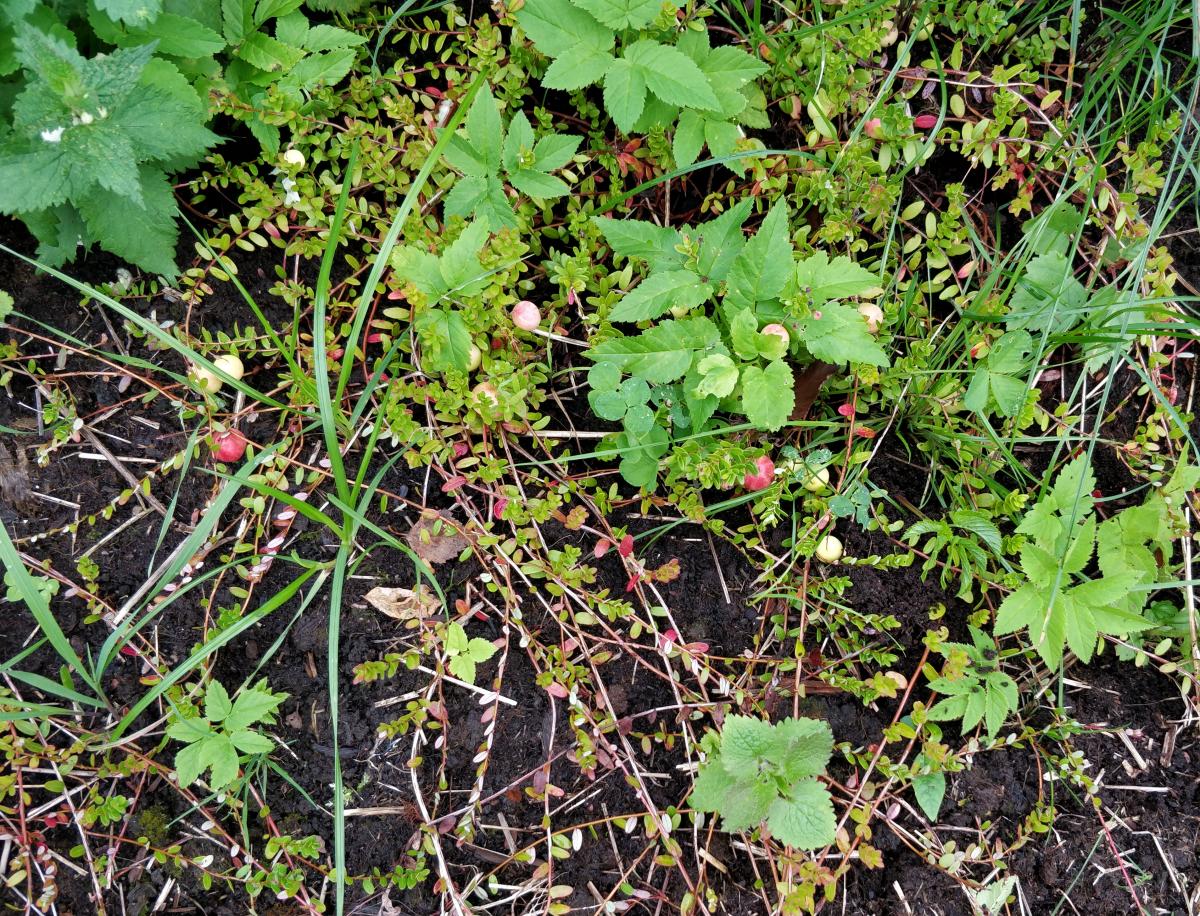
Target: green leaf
{"type": "Point", "coordinates": [662, 353]}
{"type": "Point", "coordinates": [1020, 610]}
{"type": "Point", "coordinates": [480, 650]}
{"type": "Point", "coordinates": [746, 743]}
{"type": "Point", "coordinates": [1048, 298]}
{"type": "Point", "coordinates": [251, 707]}
{"type": "Point", "coordinates": [805, 819]}
{"type": "Point", "coordinates": [689, 137]}
{"type": "Point", "coordinates": [236, 19]}
{"type": "Point", "coordinates": [328, 38]}
{"type": "Point", "coordinates": [190, 730]}
{"type": "Point", "coordinates": [768, 395]}
{"type": "Point", "coordinates": [460, 264]}
{"type": "Point", "coordinates": [558, 28]}
{"type": "Point", "coordinates": [743, 334]}
{"type": "Point", "coordinates": [721, 241]}
{"type": "Point", "coordinates": [462, 667]}
{"type": "Point", "coordinates": [222, 757]}
{"type": "Point", "coordinates": [622, 14]}
{"type": "Point", "coordinates": [659, 293]}
{"type": "Point", "coordinates": [538, 184]}
{"type": "Point", "coordinates": [217, 705]}
{"type": "Point", "coordinates": [266, 53]}
{"type": "Point", "coordinates": [1072, 491]}
{"type": "Point", "coordinates": [582, 66]}
{"type": "Point", "coordinates": [712, 786]}
{"type": "Point", "coordinates": [144, 235]}
{"type": "Point", "coordinates": [179, 36]}
{"type": "Point", "coordinates": [802, 748]}
{"type": "Point", "coordinates": [840, 278]}
{"type": "Point", "coordinates": [720, 376]}
{"type": "Point", "coordinates": [249, 742]}
{"type": "Point", "coordinates": [326, 69]}
{"type": "Point", "coordinates": [445, 340]}
{"type": "Point", "coordinates": [467, 197]}
{"type": "Point", "coordinates": [624, 94]}
{"type": "Point", "coordinates": [671, 75]}
{"type": "Point", "coordinates": [132, 12]}
{"type": "Point", "coordinates": [518, 142]}
{"type": "Point", "coordinates": [554, 151]}
{"type": "Point", "coordinates": [929, 790]}
{"type": "Point", "coordinates": [840, 335]}
{"type": "Point", "coordinates": [633, 238]}
{"type": "Point", "coordinates": [456, 639]}
{"type": "Point", "coordinates": [162, 124]}
{"type": "Point", "coordinates": [484, 130]}
{"type": "Point", "coordinates": [269, 9]}
{"type": "Point", "coordinates": [746, 803]}
{"type": "Point", "coordinates": [191, 761]}
{"type": "Point", "coordinates": [731, 66]}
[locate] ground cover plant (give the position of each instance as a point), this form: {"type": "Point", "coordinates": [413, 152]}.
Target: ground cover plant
{"type": "Point", "coordinates": [598, 456]}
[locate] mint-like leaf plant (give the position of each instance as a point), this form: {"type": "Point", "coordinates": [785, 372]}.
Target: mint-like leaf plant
{"type": "Point", "coordinates": [761, 771]}
{"type": "Point", "coordinates": [91, 144]}
{"type": "Point", "coordinates": [715, 352]}
{"type": "Point", "coordinates": [485, 152]}
{"type": "Point", "coordinates": [217, 740]}
{"type": "Point", "coordinates": [652, 77]}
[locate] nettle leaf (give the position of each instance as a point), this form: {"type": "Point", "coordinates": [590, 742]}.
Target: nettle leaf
{"type": "Point", "coordinates": [712, 786]}
{"type": "Point", "coordinates": [623, 14]}
{"type": "Point", "coordinates": [768, 395]}
{"type": "Point", "coordinates": [662, 353]}
{"type": "Point", "coordinates": [805, 818]}
{"type": "Point", "coordinates": [746, 742]}
{"type": "Point", "coordinates": [659, 293]}
{"type": "Point", "coordinates": [671, 75]}
{"type": "Point", "coordinates": [802, 748]}
{"type": "Point", "coordinates": [840, 278]}
{"type": "Point", "coordinates": [840, 335]}
{"type": "Point", "coordinates": [142, 234]}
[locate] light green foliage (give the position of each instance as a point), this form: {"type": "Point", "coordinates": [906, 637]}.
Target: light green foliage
{"type": "Point", "coordinates": [456, 273]}
{"type": "Point", "coordinates": [652, 78]}
{"type": "Point", "coordinates": [464, 654]}
{"type": "Point", "coordinates": [91, 143]}
{"type": "Point", "coordinates": [974, 687]}
{"type": "Point", "coordinates": [996, 384]}
{"type": "Point", "coordinates": [722, 359]}
{"type": "Point", "coordinates": [1060, 605]}
{"type": "Point", "coordinates": [484, 149]}
{"type": "Point", "coordinates": [227, 730]}
{"type": "Point", "coordinates": [959, 543]}
{"type": "Point", "coordinates": [764, 771]}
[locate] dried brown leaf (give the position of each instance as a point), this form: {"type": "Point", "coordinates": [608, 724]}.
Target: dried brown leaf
{"type": "Point", "coordinates": [435, 539]}
{"type": "Point", "coordinates": [404, 603]}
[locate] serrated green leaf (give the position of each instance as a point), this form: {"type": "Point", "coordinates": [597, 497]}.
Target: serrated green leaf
{"type": "Point", "coordinates": [251, 707]}
{"type": "Point", "coordinates": [190, 762]}
{"type": "Point", "coordinates": [559, 28]}
{"type": "Point", "coordinates": [325, 69]}
{"type": "Point", "coordinates": [633, 238]}
{"type": "Point", "coordinates": [624, 93]}
{"type": "Point", "coordinates": [445, 340]}
{"type": "Point", "coordinates": [689, 138]}
{"type": "Point", "coordinates": [767, 395]}
{"type": "Point", "coordinates": [582, 66]}
{"type": "Point", "coordinates": [538, 184]}
{"type": "Point", "coordinates": [484, 130]}
{"type": "Point", "coordinates": [805, 819]}
{"type": "Point", "coordinates": [720, 376]}
{"type": "Point", "coordinates": [743, 334]}
{"type": "Point", "coordinates": [179, 36]}
{"type": "Point", "coordinates": [462, 667]}
{"type": "Point", "coordinates": [1048, 298]}
{"type": "Point", "coordinates": [324, 37]}
{"type": "Point", "coordinates": [659, 293]}
{"type": "Point", "coordinates": [480, 650]}
{"type": "Point", "coordinates": [456, 639]}
{"type": "Point", "coordinates": [236, 19]}
{"type": "Point", "coordinates": [721, 241]}
{"type": "Point", "coordinates": [266, 53]}
{"type": "Point", "coordinates": [217, 705]}
{"type": "Point", "coordinates": [840, 335]}
{"type": "Point", "coordinates": [190, 730]}
{"type": "Point", "coordinates": [840, 278]}
{"type": "Point", "coordinates": [661, 353]}
{"type": "Point", "coordinates": [622, 14]}
{"type": "Point", "coordinates": [671, 75]}
{"type": "Point", "coordinates": [802, 748]}
{"type": "Point", "coordinates": [1072, 491]}
{"type": "Point", "coordinates": [712, 786]}
{"type": "Point", "coordinates": [765, 265]}
{"type": "Point", "coordinates": [554, 151]}
{"type": "Point", "coordinates": [163, 125]}
{"type": "Point", "coordinates": [249, 742]}
{"type": "Point", "coordinates": [143, 235]}
{"type": "Point", "coordinates": [222, 758]}
{"type": "Point", "coordinates": [518, 142]}
{"type": "Point", "coordinates": [1020, 610]}
{"type": "Point", "coordinates": [731, 66]}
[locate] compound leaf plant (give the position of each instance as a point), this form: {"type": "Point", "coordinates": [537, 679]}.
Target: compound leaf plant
{"type": "Point", "coordinates": [769, 310]}
{"type": "Point", "coordinates": [761, 771]}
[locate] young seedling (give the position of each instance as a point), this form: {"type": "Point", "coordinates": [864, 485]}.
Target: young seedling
{"type": "Point", "coordinates": [463, 654]}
